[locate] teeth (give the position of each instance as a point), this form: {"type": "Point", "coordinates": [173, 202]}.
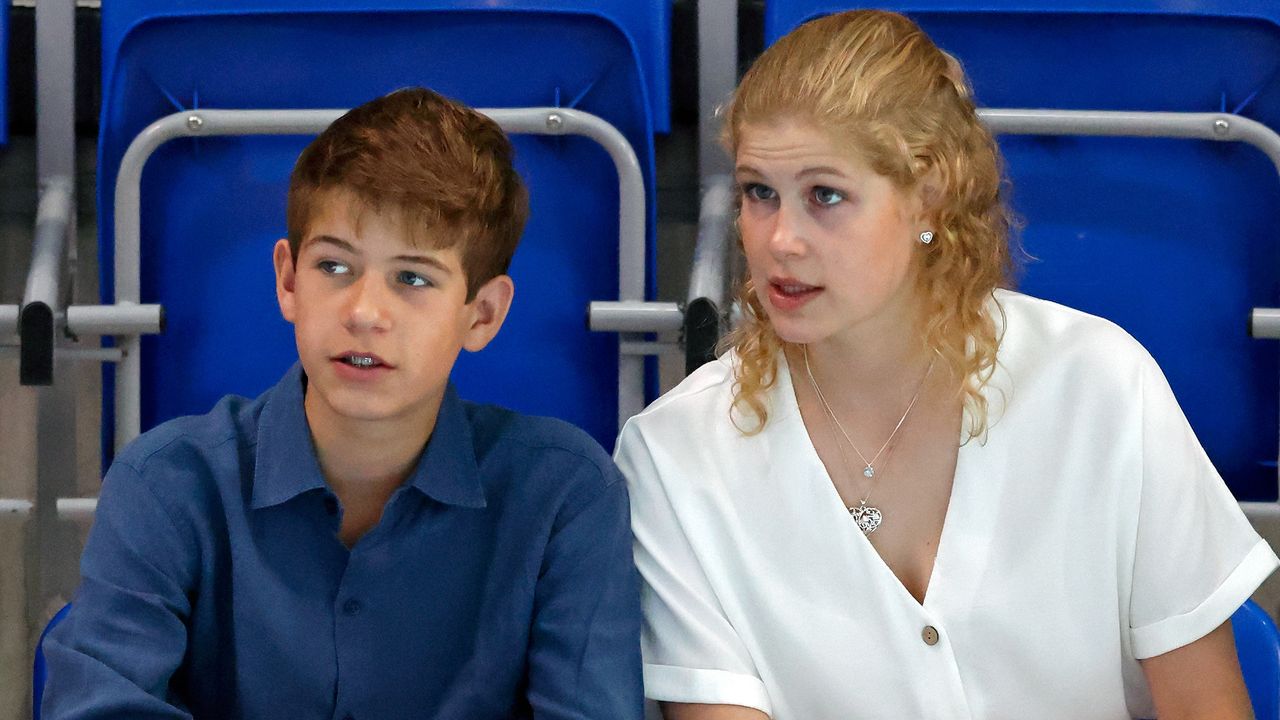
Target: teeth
{"type": "Point", "coordinates": [360, 361]}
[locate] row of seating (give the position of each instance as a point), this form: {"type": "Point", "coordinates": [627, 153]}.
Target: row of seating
{"type": "Point", "coordinates": [1170, 239]}
{"type": "Point", "coordinates": [1173, 240]}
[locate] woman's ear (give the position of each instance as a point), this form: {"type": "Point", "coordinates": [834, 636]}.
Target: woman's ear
{"type": "Point", "coordinates": [928, 193]}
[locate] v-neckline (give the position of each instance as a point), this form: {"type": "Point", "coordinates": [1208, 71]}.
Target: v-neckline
{"type": "Point", "coordinates": [786, 389]}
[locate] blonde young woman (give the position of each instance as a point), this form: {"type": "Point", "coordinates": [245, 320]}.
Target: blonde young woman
{"type": "Point", "coordinates": [905, 492]}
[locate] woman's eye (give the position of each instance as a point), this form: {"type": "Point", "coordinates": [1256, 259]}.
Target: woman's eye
{"type": "Point", "coordinates": [827, 196]}
{"type": "Point", "coordinates": [412, 279]}
{"type": "Point", "coordinates": [756, 191]}
{"type": "Point", "coordinates": [333, 267]}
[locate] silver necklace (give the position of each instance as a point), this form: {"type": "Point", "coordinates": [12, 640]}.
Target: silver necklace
{"type": "Point", "coordinates": [866, 517]}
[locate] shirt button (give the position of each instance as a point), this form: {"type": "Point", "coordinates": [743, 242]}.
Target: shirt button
{"type": "Point", "coordinates": [348, 716]}
{"type": "Point", "coordinates": [352, 607]}
{"type": "Point", "coordinates": [929, 635]}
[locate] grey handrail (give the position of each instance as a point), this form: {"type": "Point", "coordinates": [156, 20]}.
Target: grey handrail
{"type": "Point", "coordinates": [41, 300]}
{"type": "Point", "coordinates": [205, 123]}
{"type": "Point", "coordinates": [630, 316]}
{"type": "Point", "coordinates": [53, 217]}
{"type": "Point", "coordinates": [711, 251]}
{"type": "Point", "coordinates": [1221, 127]}
{"type": "Point", "coordinates": [8, 320]}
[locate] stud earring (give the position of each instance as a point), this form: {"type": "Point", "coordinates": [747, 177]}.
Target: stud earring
{"type": "Point", "coordinates": [926, 237]}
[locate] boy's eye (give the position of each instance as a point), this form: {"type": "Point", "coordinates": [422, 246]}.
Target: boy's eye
{"type": "Point", "coordinates": [333, 267]}
{"type": "Point", "coordinates": [412, 279]}
{"type": "Point", "coordinates": [756, 191]}
{"type": "Point", "coordinates": [827, 196]}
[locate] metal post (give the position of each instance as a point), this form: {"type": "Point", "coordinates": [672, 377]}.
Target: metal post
{"type": "Point", "coordinates": [55, 88]}
{"type": "Point", "coordinates": [717, 76]}
{"type": "Point", "coordinates": [54, 569]}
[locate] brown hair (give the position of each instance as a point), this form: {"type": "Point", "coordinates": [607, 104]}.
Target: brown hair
{"type": "Point", "coordinates": [878, 83]}
{"type": "Point", "coordinates": [444, 168]}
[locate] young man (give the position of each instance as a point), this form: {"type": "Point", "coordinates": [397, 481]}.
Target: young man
{"type": "Point", "coordinates": [358, 542]}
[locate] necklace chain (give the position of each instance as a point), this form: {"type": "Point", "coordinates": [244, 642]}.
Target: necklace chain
{"type": "Point", "coordinates": [869, 469]}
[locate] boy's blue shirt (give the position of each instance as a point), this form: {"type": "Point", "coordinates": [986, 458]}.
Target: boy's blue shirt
{"type": "Point", "coordinates": [498, 584]}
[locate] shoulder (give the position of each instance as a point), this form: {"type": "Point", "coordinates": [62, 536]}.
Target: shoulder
{"type": "Point", "coordinates": [687, 441]}
{"type": "Point", "coordinates": [1042, 336]}
{"type": "Point", "coordinates": [538, 454]}
{"type": "Point", "coordinates": [700, 400]}
{"type": "Point", "coordinates": [185, 459]}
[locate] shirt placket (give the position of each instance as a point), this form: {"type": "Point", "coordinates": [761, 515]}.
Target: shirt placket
{"type": "Point", "coordinates": [354, 612]}
{"type": "Point", "coordinates": [939, 654]}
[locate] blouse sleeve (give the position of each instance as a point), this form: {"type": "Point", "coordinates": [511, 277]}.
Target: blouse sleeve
{"type": "Point", "coordinates": [692, 654]}
{"type": "Point", "coordinates": [1197, 558]}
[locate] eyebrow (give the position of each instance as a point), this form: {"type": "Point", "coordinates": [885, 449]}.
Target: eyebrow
{"type": "Point", "coordinates": [820, 170]}
{"type": "Point", "coordinates": [348, 247]}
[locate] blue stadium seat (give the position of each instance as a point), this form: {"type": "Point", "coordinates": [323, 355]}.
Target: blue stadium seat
{"type": "Point", "coordinates": [1174, 240]}
{"type": "Point", "coordinates": [38, 671]}
{"type": "Point", "coordinates": [1258, 646]}
{"type": "Point", "coordinates": [212, 207]}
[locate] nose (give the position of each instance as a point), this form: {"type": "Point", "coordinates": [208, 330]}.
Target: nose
{"type": "Point", "coordinates": [786, 237]}
{"type": "Point", "coordinates": [786, 240]}
{"type": "Point", "coordinates": [367, 305]}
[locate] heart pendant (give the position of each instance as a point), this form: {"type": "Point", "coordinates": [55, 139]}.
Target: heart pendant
{"type": "Point", "coordinates": [866, 517]}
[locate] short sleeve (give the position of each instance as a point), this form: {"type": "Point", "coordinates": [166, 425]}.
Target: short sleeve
{"type": "Point", "coordinates": [1196, 558]}
{"type": "Point", "coordinates": [691, 651]}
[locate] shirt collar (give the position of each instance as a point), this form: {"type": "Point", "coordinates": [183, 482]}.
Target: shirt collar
{"type": "Point", "coordinates": [447, 470]}
{"type": "Point", "coordinates": [285, 464]}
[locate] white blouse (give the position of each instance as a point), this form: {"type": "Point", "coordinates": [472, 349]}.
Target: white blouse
{"type": "Point", "coordinates": [1087, 530]}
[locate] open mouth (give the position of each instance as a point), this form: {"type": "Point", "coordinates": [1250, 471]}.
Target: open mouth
{"type": "Point", "coordinates": [361, 360]}
{"type": "Point", "coordinates": [788, 294]}
{"type": "Point", "coordinates": [793, 289]}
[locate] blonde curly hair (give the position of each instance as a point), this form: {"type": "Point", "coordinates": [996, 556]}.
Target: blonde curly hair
{"type": "Point", "coordinates": [875, 81]}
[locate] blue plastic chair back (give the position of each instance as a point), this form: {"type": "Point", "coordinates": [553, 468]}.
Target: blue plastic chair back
{"type": "Point", "coordinates": [39, 673]}
{"type": "Point", "coordinates": [213, 207]}
{"type": "Point", "coordinates": [1174, 240]}
{"type": "Point", "coordinates": [1258, 646]}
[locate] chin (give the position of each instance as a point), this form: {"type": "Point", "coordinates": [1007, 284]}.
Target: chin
{"type": "Point", "coordinates": [364, 411]}
{"type": "Point", "coordinates": [796, 333]}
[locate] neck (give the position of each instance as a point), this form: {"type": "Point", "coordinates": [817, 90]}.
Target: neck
{"type": "Point", "coordinates": [878, 357]}
{"type": "Point", "coordinates": [360, 459]}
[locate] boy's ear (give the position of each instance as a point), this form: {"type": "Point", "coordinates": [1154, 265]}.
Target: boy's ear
{"type": "Point", "coordinates": [488, 309]}
{"type": "Point", "coordinates": [286, 276]}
